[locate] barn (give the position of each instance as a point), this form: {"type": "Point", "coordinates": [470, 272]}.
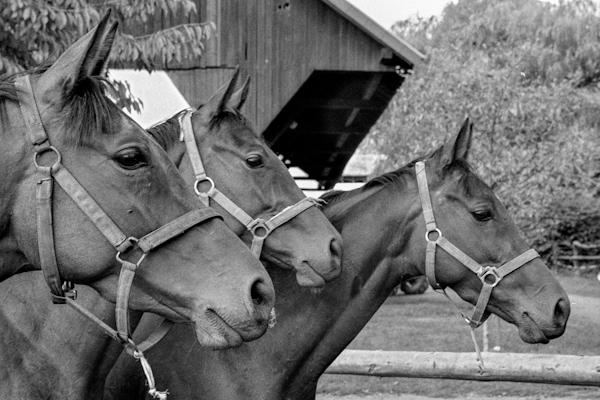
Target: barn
{"type": "Point", "coordinates": [322, 73]}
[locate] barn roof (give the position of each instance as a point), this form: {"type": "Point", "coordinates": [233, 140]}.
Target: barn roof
{"type": "Point", "coordinates": [377, 32]}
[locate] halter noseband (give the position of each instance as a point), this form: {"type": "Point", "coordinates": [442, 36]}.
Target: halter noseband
{"type": "Point", "coordinates": [64, 292]}
{"type": "Point", "coordinates": [490, 276]}
{"type": "Point", "coordinates": [260, 228]}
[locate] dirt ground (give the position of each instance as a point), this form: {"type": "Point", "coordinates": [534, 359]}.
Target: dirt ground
{"type": "Point", "coordinates": [415, 322]}
{"type": "Point", "coordinates": [388, 396]}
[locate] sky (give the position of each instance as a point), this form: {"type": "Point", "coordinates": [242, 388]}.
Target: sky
{"type": "Point", "coordinates": [386, 12]}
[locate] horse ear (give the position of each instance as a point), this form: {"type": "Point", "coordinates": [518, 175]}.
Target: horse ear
{"type": "Point", "coordinates": [239, 98]}
{"type": "Point", "coordinates": [86, 57]}
{"type": "Point", "coordinates": [457, 148]}
{"type": "Point", "coordinates": [219, 101]}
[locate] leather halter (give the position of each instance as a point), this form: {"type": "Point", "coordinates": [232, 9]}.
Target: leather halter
{"type": "Point", "coordinates": [490, 276]}
{"type": "Point", "coordinates": [260, 228]}
{"type": "Point", "coordinates": [64, 292]}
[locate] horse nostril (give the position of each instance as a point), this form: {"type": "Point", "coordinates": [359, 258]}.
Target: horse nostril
{"type": "Point", "coordinates": [260, 294]}
{"type": "Point", "coordinates": [336, 253]}
{"type": "Point", "coordinates": [561, 312]}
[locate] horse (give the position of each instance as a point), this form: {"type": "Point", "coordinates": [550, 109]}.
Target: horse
{"type": "Point", "coordinates": [383, 232]}
{"type": "Point", "coordinates": [187, 266]}
{"type": "Point", "coordinates": [228, 144]}
{"type": "Point", "coordinates": [244, 176]}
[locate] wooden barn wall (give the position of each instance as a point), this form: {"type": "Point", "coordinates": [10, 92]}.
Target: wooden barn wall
{"type": "Point", "coordinates": [278, 42]}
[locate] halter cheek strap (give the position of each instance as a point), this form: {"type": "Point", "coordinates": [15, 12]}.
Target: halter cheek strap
{"type": "Point", "coordinates": [64, 292]}
{"type": "Point", "coordinates": [259, 228]}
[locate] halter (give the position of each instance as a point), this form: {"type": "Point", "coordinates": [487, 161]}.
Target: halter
{"type": "Point", "coordinates": [63, 291]}
{"type": "Point", "coordinates": [260, 228]}
{"type": "Point", "coordinates": [490, 275]}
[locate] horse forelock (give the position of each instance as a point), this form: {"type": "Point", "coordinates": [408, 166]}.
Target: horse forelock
{"type": "Point", "coordinates": [88, 112]}
{"type": "Point", "coordinates": [231, 116]}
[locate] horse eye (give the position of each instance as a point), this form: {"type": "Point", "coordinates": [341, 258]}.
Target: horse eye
{"type": "Point", "coordinates": [482, 215]}
{"type": "Point", "coordinates": [131, 158]}
{"type": "Point", "coordinates": [254, 161]}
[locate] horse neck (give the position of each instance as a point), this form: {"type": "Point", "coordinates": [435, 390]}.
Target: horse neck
{"type": "Point", "coordinates": [374, 256]}
{"type": "Point", "coordinates": [262, 369]}
{"type": "Point", "coordinates": [50, 351]}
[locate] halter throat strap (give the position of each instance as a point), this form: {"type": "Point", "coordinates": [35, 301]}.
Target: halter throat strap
{"type": "Point", "coordinates": [490, 276]}
{"type": "Point", "coordinates": [260, 228]}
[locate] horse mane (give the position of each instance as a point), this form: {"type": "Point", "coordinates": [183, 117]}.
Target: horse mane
{"type": "Point", "coordinates": [398, 177]}
{"type": "Point", "coordinates": [86, 108]}
{"type": "Point", "coordinates": [167, 132]}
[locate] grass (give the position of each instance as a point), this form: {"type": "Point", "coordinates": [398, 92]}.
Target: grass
{"type": "Point", "coordinates": [429, 323]}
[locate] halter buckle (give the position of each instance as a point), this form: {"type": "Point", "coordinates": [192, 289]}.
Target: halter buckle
{"type": "Point", "coordinates": [433, 231]}
{"type": "Point", "coordinates": [485, 272]}
{"type": "Point", "coordinates": [133, 241]}
{"type": "Point", "coordinates": [38, 154]}
{"type": "Point", "coordinates": [206, 193]}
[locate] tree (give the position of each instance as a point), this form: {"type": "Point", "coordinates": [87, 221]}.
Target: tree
{"type": "Point", "coordinates": [526, 71]}
{"type": "Point", "coordinates": [33, 32]}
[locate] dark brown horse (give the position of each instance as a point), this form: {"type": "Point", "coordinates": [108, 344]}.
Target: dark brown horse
{"type": "Point", "coordinates": [205, 276]}
{"type": "Point", "coordinates": [384, 242]}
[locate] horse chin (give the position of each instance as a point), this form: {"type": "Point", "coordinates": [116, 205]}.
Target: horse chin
{"type": "Point", "coordinates": [306, 275]}
{"type": "Point", "coordinates": [212, 331]}
{"type": "Point", "coordinates": [530, 332]}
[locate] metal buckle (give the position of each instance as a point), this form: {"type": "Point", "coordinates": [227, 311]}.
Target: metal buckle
{"type": "Point", "coordinates": [133, 242]}
{"type": "Point", "coordinates": [485, 272]}
{"type": "Point", "coordinates": [69, 292]}
{"type": "Point", "coordinates": [429, 240]}
{"type": "Point", "coordinates": [259, 229]}
{"type": "Point", "coordinates": [205, 193]}
{"type": "Point", "coordinates": [38, 153]}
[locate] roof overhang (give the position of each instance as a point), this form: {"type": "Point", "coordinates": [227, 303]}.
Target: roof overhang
{"type": "Point", "coordinates": [401, 48]}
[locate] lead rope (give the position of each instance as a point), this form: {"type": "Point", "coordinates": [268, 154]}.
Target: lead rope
{"type": "Point", "coordinates": [468, 321]}
{"type": "Point", "coordinates": [130, 347]}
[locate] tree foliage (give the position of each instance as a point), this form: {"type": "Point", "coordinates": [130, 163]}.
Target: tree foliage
{"type": "Point", "coordinates": [33, 32]}
{"type": "Point", "coordinates": [526, 72]}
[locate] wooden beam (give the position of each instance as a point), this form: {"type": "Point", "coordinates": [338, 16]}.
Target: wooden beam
{"type": "Point", "coordinates": [514, 367]}
{"type": "Point", "coordinates": [338, 103]}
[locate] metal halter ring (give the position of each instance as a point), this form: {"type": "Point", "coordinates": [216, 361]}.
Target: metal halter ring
{"type": "Point", "coordinates": [197, 186]}
{"type": "Point", "coordinates": [486, 272]}
{"type": "Point", "coordinates": [133, 241]}
{"type": "Point", "coordinates": [256, 228]}
{"type": "Point", "coordinates": [436, 230]}
{"type": "Point", "coordinates": [45, 150]}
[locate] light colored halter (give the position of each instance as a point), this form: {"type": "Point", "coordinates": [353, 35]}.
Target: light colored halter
{"type": "Point", "coordinates": [260, 228]}
{"type": "Point", "coordinates": [490, 276]}
{"type": "Point", "coordinates": [64, 292]}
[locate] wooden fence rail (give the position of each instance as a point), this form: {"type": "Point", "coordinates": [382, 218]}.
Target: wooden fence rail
{"type": "Point", "coordinates": [515, 367]}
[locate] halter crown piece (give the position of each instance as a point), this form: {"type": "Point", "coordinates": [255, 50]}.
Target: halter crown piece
{"type": "Point", "coordinates": [64, 292]}
{"type": "Point", "coordinates": [490, 276]}
{"type": "Point", "coordinates": [259, 228]}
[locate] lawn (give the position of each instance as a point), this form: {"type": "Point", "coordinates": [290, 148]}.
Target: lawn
{"type": "Point", "coordinates": [429, 322]}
